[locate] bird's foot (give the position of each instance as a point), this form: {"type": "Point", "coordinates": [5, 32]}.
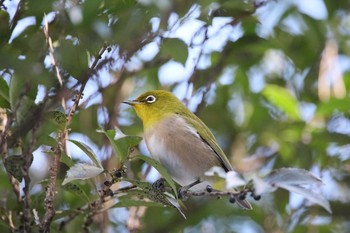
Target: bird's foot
{"type": "Point", "coordinates": [183, 191]}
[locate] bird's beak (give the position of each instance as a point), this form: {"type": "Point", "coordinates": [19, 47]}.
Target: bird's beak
{"type": "Point", "coordinates": [131, 102]}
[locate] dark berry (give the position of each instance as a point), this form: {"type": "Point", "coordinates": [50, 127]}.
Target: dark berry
{"type": "Point", "coordinates": [232, 199]}
{"type": "Point", "coordinates": [108, 183]}
{"type": "Point", "coordinates": [257, 197]}
{"type": "Point", "coordinates": [110, 193]}
{"type": "Point", "coordinates": [209, 189]}
{"type": "Point", "coordinates": [118, 174]}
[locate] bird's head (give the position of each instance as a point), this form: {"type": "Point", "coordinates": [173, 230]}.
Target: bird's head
{"type": "Point", "coordinates": [153, 106]}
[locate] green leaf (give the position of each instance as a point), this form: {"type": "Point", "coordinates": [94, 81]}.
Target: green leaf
{"type": "Point", "coordinates": [4, 103]}
{"type": "Point", "coordinates": [333, 105]}
{"type": "Point", "coordinates": [65, 159]}
{"type": "Point", "coordinates": [54, 121]}
{"type": "Point", "coordinates": [88, 151]}
{"type": "Point", "coordinates": [20, 91]}
{"type": "Point", "coordinates": [73, 58]}
{"type": "Point", "coordinates": [121, 143]}
{"type": "Point", "coordinates": [59, 214]}
{"type": "Point", "coordinates": [145, 190]}
{"type": "Point", "coordinates": [215, 58]}
{"type": "Point", "coordinates": [282, 99]}
{"type": "Point", "coordinates": [57, 118]}
{"type": "Point", "coordinates": [38, 8]}
{"type": "Point", "coordinates": [14, 165]}
{"type": "Point", "coordinates": [293, 180]}
{"type": "Point", "coordinates": [5, 31]}
{"type": "Point", "coordinates": [75, 189]}
{"type": "Point", "coordinates": [4, 90]}
{"type": "Point", "coordinates": [175, 49]}
{"type": "Point", "coordinates": [163, 172]}
{"type": "Point", "coordinates": [82, 171]}
{"type": "Point", "coordinates": [126, 202]}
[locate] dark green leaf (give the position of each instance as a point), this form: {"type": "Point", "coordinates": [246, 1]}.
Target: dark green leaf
{"type": "Point", "coordinates": [66, 160]}
{"type": "Point", "coordinates": [75, 189]}
{"type": "Point", "coordinates": [129, 203]}
{"type": "Point", "coordinates": [73, 58]}
{"type": "Point", "coordinates": [121, 143]}
{"type": "Point", "coordinates": [57, 118]}
{"type": "Point", "coordinates": [175, 49]}
{"type": "Point", "coordinates": [4, 90]}
{"type": "Point", "coordinates": [14, 166]}
{"type": "Point", "coordinates": [21, 91]}
{"type": "Point", "coordinates": [333, 105]}
{"type": "Point", "coordinates": [88, 151]}
{"type": "Point", "coordinates": [4, 103]}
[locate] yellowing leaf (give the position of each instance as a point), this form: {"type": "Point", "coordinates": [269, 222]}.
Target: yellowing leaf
{"type": "Point", "coordinates": [282, 99]}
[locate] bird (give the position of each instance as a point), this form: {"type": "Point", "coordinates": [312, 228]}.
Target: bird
{"type": "Point", "coordinates": [179, 140]}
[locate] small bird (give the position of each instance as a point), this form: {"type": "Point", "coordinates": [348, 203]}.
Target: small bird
{"type": "Point", "coordinates": [179, 140]}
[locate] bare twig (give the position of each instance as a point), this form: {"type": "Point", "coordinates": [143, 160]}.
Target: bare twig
{"type": "Point", "coordinates": [62, 136]}
{"type": "Point", "coordinates": [4, 145]}
{"type": "Point", "coordinates": [2, 6]}
{"type": "Point", "coordinates": [17, 15]}
{"type": "Point", "coordinates": [51, 51]}
{"type": "Point", "coordinates": [27, 161]}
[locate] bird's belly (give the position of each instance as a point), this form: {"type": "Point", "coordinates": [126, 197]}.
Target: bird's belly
{"type": "Point", "coordinates": [171, 161]}
{"type": "Point", "coordinates": [185, 160]}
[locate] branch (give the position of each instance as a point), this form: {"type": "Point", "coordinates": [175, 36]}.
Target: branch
{"type": "Point", "coordinates": [2, 6]}
{"type": "Point", "coordinates": [233, 195]}
{"type": "Point", "coordinates": [62, 136]}
{"type": "Point", "coordinates": [17, 15]}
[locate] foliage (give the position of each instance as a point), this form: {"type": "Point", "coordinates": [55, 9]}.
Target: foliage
{"type": "Point", "coordinates": [270, 78]}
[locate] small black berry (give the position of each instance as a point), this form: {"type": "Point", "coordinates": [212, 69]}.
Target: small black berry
{"type": "Point", "coordinates": [118, 174]}
{"type": "Point", "coordinates": [108, 183]}
{"type": "Point", "coordinates": [257, 197]}
{"type": "Point", "coordinates": [110, 193]}
{"type": "Point", "coordinates": [232, 199]}
{"type": "Point", "coordinates": [209, 189]}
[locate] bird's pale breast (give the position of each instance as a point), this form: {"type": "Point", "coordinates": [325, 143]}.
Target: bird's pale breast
{"type": "Point", "coordinates": [180, 149]}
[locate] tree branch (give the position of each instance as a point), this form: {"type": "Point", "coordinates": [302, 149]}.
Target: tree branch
{"type": "Point", "coordinates": [62, 136]}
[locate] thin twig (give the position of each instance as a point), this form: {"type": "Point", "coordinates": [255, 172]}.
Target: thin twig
{"type": "Point", "coordinates": [17, 15]}
{"type": "Point", "coordinates": [62, 136]}
{"type": "Point", "coordinates": [2, 6]}
{"type": "Point", "coordinates": [51, 51]}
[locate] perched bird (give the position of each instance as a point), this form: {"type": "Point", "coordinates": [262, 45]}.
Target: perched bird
{"type": "Point", "coordinates": [178, 139]}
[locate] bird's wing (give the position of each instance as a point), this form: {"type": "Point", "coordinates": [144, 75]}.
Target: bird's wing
{"type": "Point", "coordinates": [207, 136]}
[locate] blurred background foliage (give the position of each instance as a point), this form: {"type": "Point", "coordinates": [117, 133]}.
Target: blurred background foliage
{"type": "Point", "coordinates": [270, 78]}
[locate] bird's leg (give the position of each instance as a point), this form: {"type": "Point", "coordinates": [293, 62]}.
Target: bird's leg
{"type": "Point", "coordinates": [182, 193]}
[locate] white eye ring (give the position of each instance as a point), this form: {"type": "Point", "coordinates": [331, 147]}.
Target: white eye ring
{"type": "Point", "coordinates": [150, 99]}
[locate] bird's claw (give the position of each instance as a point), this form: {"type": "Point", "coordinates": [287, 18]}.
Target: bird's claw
{"type": "Point", "coordinates": [183, 193]}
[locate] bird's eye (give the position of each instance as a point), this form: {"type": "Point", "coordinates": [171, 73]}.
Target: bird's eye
{"type": "Point", "coordinates": [150, 99]}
